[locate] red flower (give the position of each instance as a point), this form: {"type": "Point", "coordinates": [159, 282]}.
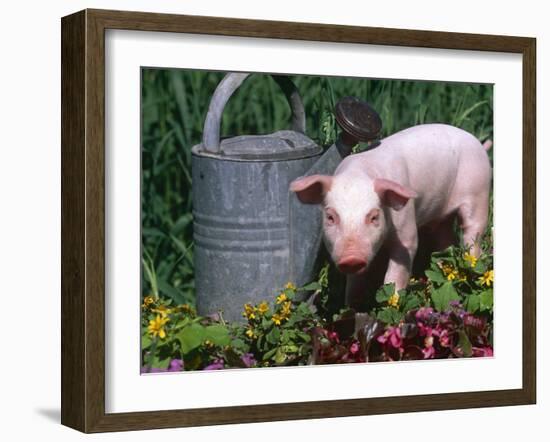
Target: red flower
{"type": "Point", "coordinates": [444, 338]}
{"type": "Point", "coordinates": [482, 352]}
{"type": "Point", "coordinates": [428, 350]}
{"type": "Point", "coordinates": [393, 336]}
{"type": "Point", "coordinates": [354, 348]}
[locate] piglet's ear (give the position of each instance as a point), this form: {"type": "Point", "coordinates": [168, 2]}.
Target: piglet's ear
{"type": "Point", "coordinates": [311, 189]}
{"type": "Point", "coordinates": [392, 194]}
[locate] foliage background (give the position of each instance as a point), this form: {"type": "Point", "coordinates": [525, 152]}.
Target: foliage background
{"type": "Point", "coordinates": [174, 105]}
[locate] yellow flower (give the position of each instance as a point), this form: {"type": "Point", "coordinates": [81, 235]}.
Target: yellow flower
{"type": "Point", "coordinates": [162, 310]}
{"type": "Point", "coordinates": [276, 318]}
{"type": "Point", "coordinates": [488, 278]}
{"type": "Point", "coordinates": [263, 307]}
{"type": "Point", "coordinates": [290, 286]}
{"type": "Point", "coordinates": [156, 326]}
{"type": "Point", "coordinates": [471, 259]}
{"type": "Point", "coordinates": [281, 298]}
{"type": "Point", "coordinates": [285, 311]}
{"type": "Point", "coordinates": [453, 275]}
{"type": "Point", "coordinates": [148, 301]}
{"type": "Point", "coordinates": [394, 300]}
{"type": "Point", "coordinates": [450, 272]}
{"type": "Point", "coordinates": [250, 333]}
{"type": "Point", "coordinates": [249, 311]}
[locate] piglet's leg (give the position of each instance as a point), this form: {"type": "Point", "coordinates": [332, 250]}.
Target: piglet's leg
{"type": "Point", "coordinates": [402, 250]}
{"type": "Point", "coordinates": [473, 217]}
{"type": "Point", "coordinates": [443, 234]}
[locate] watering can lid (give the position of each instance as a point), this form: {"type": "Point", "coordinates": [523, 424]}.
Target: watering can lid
{"type": "Point", "coordinates": [279, 146]}
{"type": "Point", "coordinates": [358, 119]}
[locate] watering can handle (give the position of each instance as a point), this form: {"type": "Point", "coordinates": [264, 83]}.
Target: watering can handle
{"type": "Point", "coordinates": [229, 84]}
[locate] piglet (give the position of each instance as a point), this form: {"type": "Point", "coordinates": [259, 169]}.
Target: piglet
{"type": "Point", "coordinates": [423, 176]}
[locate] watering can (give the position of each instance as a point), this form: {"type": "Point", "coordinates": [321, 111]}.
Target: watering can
{"type": "Point", "coordinates": [251, 234]}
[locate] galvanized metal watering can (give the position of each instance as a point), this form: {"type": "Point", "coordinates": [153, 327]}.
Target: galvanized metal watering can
{"type": "Point", "coordinates": [251, 234]}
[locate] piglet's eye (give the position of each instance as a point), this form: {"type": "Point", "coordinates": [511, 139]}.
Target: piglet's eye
{"type": "Point", "coordinates": [331, 217]}
{"type": "Point", "coordinates": [373, 217]}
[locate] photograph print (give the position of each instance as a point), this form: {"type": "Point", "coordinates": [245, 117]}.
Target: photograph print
{"type": "Point", "coordinates": [294, 220]}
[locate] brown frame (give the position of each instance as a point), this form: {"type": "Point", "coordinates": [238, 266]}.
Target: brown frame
{"type": "Point", "coordinates": [83, 215]}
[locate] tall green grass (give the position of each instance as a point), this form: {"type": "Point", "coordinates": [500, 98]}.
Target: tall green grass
{"type": "Point", "coordinates": [174, 105]}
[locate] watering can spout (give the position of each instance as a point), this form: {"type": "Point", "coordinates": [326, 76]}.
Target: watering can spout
{"type": "Point", "coordinates": [359, 123]}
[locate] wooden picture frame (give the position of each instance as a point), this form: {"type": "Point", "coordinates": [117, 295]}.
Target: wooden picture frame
{"type": "Point", "coordinates": [83, 220]}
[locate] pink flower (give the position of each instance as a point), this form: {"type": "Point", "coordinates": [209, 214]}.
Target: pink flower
{"type": "Point", "coordinates": [216, 365]}
{"type": "Point", "coordinates": [176, 365]}
{"type": "Point", "coordinates": [393, 335]}
{"type": "Point", "coordinates": [424, 313]}
{"type": "Point", "coordinates": [424, 330]}
{"type": "Point", "coordinates": [428, 350]}
{"type": "Point", "coordinates": [333, 336]}
{"type": "Point", "coordinates": [454, 304]}
{"type": "Point", "coordinates": [444, 339]}
{"type": "Point", "coordinates": [354, 348]}
{"type": "Point", "coordinates": [248, 359]}
{"type": "Point", "coordinates": [474, 322]}
{"type": "Point", "coordinates": [482, 352]}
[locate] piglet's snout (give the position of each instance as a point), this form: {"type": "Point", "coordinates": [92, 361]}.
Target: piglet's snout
{"type": "Point", "coordinates": [352, 264]}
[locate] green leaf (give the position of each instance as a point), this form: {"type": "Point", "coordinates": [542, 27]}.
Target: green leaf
{"type": "Point", "coordinates": [239, 344]}
{"type": "Point", "coordinates": [464, 346]}
{"type": "Point", "coordinates": [289, 348]}
{"type": "Point", "coordinates": [304, 309]}
{"type": "Point", "coordinates": [384, 292]}
{"type": "Point", "coordinates": [184, 248]}
{"type": "Point", "coordinates": [468, 111]}
{"type": "Point", "coordinates": [410, 303]}
{"type": "Point", "coordinates": [287, 335]}
{"type": "Point", "coordinates": [390, 315]}
{"type": "Point", "coordinates": [472, 303]}
{"type": "Point", "coordinates": [270, 353]}
{"type": "Point", "coordinates": [181, 323]}
{"type": "Point", "coordinates": [182, 222]}
{"type": "Point", "coordinates": [486, 300]}
{"type": "Point", "coordinates": [447, 253]}
{"type": "Point", "coordinates": [280, 356]}
{"type": "Point", "coordinates": [443, 295]}
{"type": "Point", "coordinates": [273, 336]}
{"type": "Point", "coordinates": [217, 334]}
{"type": "Point", "coordinates": [152, 231]}
{"type": "Point", "coordinates": [191, 337]}
{"type": "Point", "coordinates": [160, 362]}
{"type": "Point", "coordinates": [145, 341]}
{"type": "Point", "coordinates": [435, 276]}
{"type": "Point", "coordinates": [171, 292]}
{"type": "Point", "coordinates": [303, 336]}
{"type": "Point", "coordinates": [481, 267]}
{"type": "Point", "coordinates": [311, 286]}
{"type": "Point", "coordinates": [260, 342]}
